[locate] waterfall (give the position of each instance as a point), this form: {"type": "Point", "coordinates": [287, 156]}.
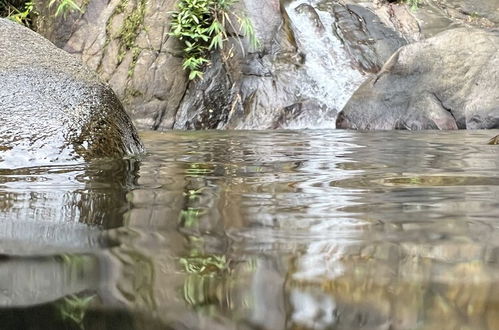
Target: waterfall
{"type": "Point", "coordinates": [328, 75]}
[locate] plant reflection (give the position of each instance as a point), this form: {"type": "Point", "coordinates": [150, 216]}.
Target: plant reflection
{"type": "Point", "coordinates": [209, 265]}
{"type": "Point", "coordinates": [74, 308]}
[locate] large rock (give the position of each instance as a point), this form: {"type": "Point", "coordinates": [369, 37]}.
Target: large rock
{"type": "Point", "coordinates": [445, 82]}
{"type": "Point", "coordinates": [128, 45]}
{"type": "Point", "coordinates": [53, 109]}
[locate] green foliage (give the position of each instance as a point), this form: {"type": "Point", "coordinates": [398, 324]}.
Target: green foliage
{"type": "Point", "coordinates": [24, 12]}
{"type": "Point", "coordinates": [204, 265]}
{"type": "Point", "coordinates": [133, 13]}
{"type": "Point", "coordinates": [190, 217]}
{"type": "Point", "coordinates": [130, 31]}
{"type": "Point", "coordinates": [202, 26]}
{"type": "Point", "coordinates": [64, 6]}
{"type": "Point", "coordinates": [21, 13]}
{"type": "Point", "coordinates": [414, 4]}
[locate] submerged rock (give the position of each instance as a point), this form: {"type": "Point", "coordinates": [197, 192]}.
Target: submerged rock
{"type": "Point", "coordinates": [445, 82]}
{"type": "Point", "coordinates": [52, 108]}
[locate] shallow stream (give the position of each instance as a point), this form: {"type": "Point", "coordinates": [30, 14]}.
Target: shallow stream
{"type": "Point", "coordinates": [310, 229]}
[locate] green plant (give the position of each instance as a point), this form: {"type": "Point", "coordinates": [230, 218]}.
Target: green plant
{"type": "Point", "coordinates": [202, 26]}
{"type": "Point", "coordinates": [64, 6]}
{"type": "Point", "coordinates": [204, 265]}
{"type": "Point", "coordinates": [130, 30]}
{"type": "Point", "coordinates": [190, 217]}
{"type": "Point", "coordinates": [21, 13]}
{"type": "Point", "coordinates": [414, 4]}
{"type": "Point", "coordinates": [74, 307]}
{"type": "Point", "coordinates": [24, 12]}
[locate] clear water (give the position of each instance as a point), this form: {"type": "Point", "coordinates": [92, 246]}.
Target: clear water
{"type": "Point", "coordinates": [258, 230]}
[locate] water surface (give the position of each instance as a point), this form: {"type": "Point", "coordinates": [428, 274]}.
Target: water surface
{"type": "Point", "coordinates": [258, 230]}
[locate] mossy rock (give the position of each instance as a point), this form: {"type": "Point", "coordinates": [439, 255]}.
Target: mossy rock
{"type": "Point", "coordinates": [53, 110]}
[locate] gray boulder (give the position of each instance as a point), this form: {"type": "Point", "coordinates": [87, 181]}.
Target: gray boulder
{"type": "Point", "coordinates": [445, 82]}
{"type": "Point", "coordinates": [53, 110]}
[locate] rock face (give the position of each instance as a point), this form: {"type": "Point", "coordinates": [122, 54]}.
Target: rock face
{"type": "Point", "coordinates": [127, 44]}
{"type": "Point", "coordinates": [309, 55]}
{"type": "Point", "coordinates": [368, 41]}
{"type": "Point", "coordinates": [445, 82]}
{"type": "Point", "coordinates": [313, 53]}
{"type": "Point", "coordinates": [53, 109]}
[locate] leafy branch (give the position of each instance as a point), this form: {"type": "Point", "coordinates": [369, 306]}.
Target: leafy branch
{"type": "Point", "coordinates": [64, 6]}
{"type": "Point", "coordinates": [414, 4]}
{"type": "Point", "coordinates": [25, 12]}
{"type": "Point", "coordinates": [22, 13]}
{"type": "Point", "coordinates": [202, 26]}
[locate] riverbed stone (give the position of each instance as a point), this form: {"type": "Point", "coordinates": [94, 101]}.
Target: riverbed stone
{"type": "Point", "coordinates": [52, 108]}
{"type": "Point", "coordinates": [445, 82]}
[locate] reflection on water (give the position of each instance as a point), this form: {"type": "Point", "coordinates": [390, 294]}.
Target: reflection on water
{"type": "Point", "coordinates": [259, 230]}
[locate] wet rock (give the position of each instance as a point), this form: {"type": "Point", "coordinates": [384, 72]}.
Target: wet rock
{"type": "Point", "coordinates": [255, 83]}
{"type": "Point", "coordinates": [127, 44]}
{"type": "Point", "coordinates": [312, 15]}
{"type": "Point", "coordinates": [295, 114]}
{"type": "Point", "coordinates": [53, 110]}
{"type": "Point", "coordinates": [445, 82]}
{"type": "Point", "coordinates": [303, 76]}
{"type": "Point", "coordinates": [434, 16]}
{"type": "Point", "coordinates": [144, 66]}
{"type": "Point", "coordinates": [368, 40]}
{"type": "Point", "coordinates": [208, 103]}
{"type": "Point", "coordinates": [30, 280]}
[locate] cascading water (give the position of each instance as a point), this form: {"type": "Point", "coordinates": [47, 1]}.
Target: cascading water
{"type": "Point", "coordinates": [314, 56]}
{"type": "Point", "coordinates": [328, 75]}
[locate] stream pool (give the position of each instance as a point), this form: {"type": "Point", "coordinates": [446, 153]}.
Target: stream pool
{"type": "Point", "coordinates": [310, 229]}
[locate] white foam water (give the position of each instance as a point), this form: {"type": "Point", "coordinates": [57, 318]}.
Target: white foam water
{"type": "Point", "coordinates": [330, 79]}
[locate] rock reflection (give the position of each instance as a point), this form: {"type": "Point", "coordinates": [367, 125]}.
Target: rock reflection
{"type": "Point", "coordinates": [51, 228]}
{"type": "Point", "coordinates": [62, 206]}
{"type": "Point", "coordinates": [27, 281]}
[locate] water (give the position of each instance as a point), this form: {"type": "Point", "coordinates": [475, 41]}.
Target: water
{"type": "Point", "coordinates": [309, 73]}
{"type": "Point", "coordinates": [258, 230]}
{"type": "Point", "coordinates": [330, 78]}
